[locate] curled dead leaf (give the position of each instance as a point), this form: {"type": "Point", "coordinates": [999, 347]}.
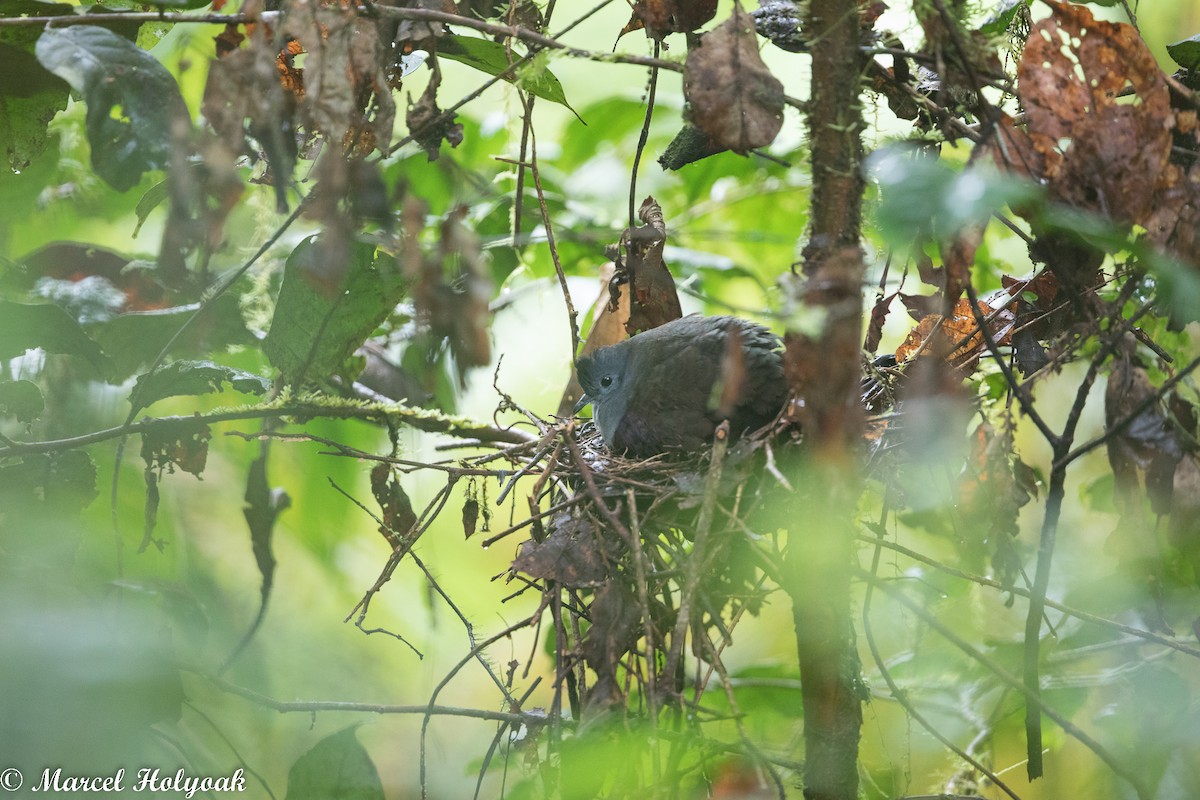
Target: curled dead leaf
{"type": "Point", "coordinates": [956, 337]}
{"type": "Point", "coordinates": [661, 17]}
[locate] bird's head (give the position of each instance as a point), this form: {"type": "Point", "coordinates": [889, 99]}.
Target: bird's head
{"type": "Point", "coordinates": [605, 377]}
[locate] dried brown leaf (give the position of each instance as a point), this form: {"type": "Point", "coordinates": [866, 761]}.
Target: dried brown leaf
{"type": "Point", "coordinates": [1101, 152]}
{"type": "Point", "coordinates": [661, 17]}
{"type": "Point", "coordinates": [732, 96]}
{"type": "Point", "coordinates": [426, 125]}
{"type": "Point", "coordinates": [654, 299]}
{"type": "Point", "coordinates": [955, 337]}
{"type": "Point", "coordinates": [570, 555]}
{"type": "Point", "coordinates": [399, 519]}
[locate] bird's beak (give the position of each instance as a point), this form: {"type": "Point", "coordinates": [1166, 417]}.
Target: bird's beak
{"type": "Point", "coordinates": [583, 401]}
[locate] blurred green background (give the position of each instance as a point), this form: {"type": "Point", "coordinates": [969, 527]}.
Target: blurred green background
{"type": "Point", "coordinates": [102, 669]}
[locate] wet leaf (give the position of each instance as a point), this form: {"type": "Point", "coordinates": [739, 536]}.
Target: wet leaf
{"type": "Point", "coordinates": [191, 378]}
{"type": "Point", "coordinates": [732, 96]}
{"type": "Point", "coordinates": [134, 109]}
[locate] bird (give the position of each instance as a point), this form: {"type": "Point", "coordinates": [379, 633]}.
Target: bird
{"type": "Point", "coordinates": [668, 388]}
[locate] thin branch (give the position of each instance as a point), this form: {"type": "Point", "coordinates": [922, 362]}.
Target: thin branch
{"type": "Point", "coordinates": [1011, 681]}
{"type": "Point", "coordinates": [901, 695]}
{"type": "Point", "coordinates": [1148, 636]}
{"type": "Point", "coordinates": [313, 706]}
{"type": "Point", "coordinates": [421, 419]}
{"type": "Point", "coordinates": [572, 314]}
{"type": "Point", "coordinates": [643, 137]}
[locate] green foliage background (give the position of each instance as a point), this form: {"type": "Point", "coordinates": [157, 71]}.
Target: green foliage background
{"type": "Point", "coordinates": [105, 668]}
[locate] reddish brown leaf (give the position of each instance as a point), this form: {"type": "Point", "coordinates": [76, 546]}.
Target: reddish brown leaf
{"type": "Point", "coordinates": [661, 17]}
{"type": "Point", "coordinates": [879, 314]}
{"type": "Point", "coordinates": [399, 519]}
{"type": "Point", "coordinates": [654, 299]}
{"type": "Point", "coordinates": [955, 337]}
{"type": "Point", "coordinates": [732, 96]}
{"type": "Point", "coordinates": [1100, 153]}
{"type": "Point", "coordinates": [184, 446]}
{"type": "Point", "coordinates": [958, 256]}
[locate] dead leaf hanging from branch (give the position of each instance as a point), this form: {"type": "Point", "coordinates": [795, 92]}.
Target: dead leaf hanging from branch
{"type": "Point", "coordinates": [732, 96]}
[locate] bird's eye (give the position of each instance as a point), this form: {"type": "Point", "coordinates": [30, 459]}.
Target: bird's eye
{"type": "Point", "coordinates": [606, 381]}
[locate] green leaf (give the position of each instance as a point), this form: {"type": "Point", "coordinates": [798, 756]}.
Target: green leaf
{"type": "Point", "coordinates": [1001, 16]}
{"type": "Point", "coordinates": [336, 768]}
{"type": "Point", "coordinates": [24, 327]}
{"type": "Point", "coordinates": [918, 192]}
{"type": "Point", "coordinates": [492, 58]}
{"type": "Point", "coordinates": [151, 200]}
{"type": "Point", "coordinates": [191, 378]}
{"type": "Point", "coordinates": [29, 95]}
{"type": "Point", "coordinates": [1186, 53]}
{"type": "Point", "coordinates": [316, 328]}
{"type": "Point", "coordinates": [132, 101]}
{"type": "Point", "coordinates": [21, 399]}
{"type": "Point", "coordinates": [134, 339]}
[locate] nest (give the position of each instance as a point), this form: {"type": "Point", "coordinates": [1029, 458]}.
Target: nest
{"type": "Point", "coordinates": [637, 560]}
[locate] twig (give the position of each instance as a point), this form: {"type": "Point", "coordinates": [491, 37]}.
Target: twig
{"type": "Point", "coordinates": [415, 417]}
{"type": "Point", "coordinates": [1149, 636]}
{"type": "Point", "coordinates": [1011, 681]}
{"type": "Point", "coordinates": [695, 562]}
{"type": "Point", "coordinates": [572, 314]}
{"type": "Point", "coordinates": [643, 137]}
{"type": "Point", "coordinates": [901, 695]}
{"type": "Point", "coordinates": [313, 706]}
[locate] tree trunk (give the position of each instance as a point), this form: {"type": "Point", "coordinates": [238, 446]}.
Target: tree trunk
{"type": "Point", "coordinates": [823, 369]}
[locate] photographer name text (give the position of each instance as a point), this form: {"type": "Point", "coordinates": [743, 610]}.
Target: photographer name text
{"type": "Point", "coordinates": [146, 780]}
